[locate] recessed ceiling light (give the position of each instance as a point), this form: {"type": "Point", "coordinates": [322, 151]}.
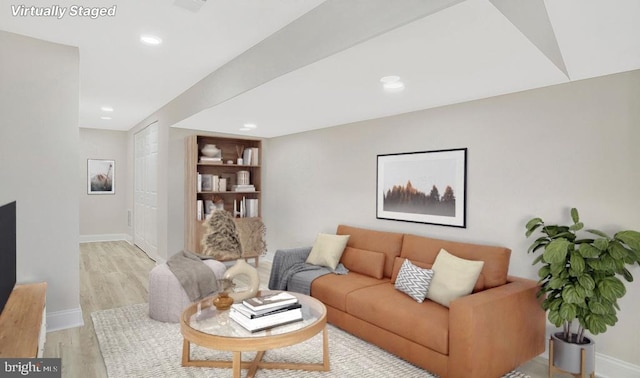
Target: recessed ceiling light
{"type": "Point", "coordinates": [151, 40]}
{"type": "Point", "coordinates": [106, 109]}
{"type": "Point", "coordinates": [392, 83]}
{"type": "Point", "coordinates": [105, 117]}
{"type": "Point", "coordinates": [250, 125]}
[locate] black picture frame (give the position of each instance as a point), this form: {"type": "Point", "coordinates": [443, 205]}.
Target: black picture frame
{"type": "Point", "coordinates": [423, 187]}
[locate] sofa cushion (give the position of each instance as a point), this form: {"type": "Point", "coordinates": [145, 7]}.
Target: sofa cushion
{"type": "Point", "coordinates": [382, 305]}
{"type": "Point", "coordinates": [366, 262]}
{"type": "Point", "coordinates": [332, 289]}
{"type": "Point", "coordinates": [389, 243]}
{"type": "Point", "coordinates": [496, 259]}
{"type": "Point", "coordinates": [327, 250]}
{"type": "Point", "coordinates": [414, 281]}
{"type": "Point", "coordinates": [453, 277]}
{"type": "Point", "coordinates": [398, 263]}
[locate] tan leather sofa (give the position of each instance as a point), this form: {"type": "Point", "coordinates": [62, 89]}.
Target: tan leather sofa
{"type": "Point", "coordinates": [485, 334]}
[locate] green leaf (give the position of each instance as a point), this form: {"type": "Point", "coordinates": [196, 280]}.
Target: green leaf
{"type": "Point", "coordinates": [610, 288]}
{"type": "Point", "coordinates": [534, 222]}
{"type": "Point", "coordinates": [544, 271]}
{"type": "Point", "coordinates": [532, 229]}
{"type": "Point", "coordinates": [574, 215]}
{"type": "Point", "coordinates": [556, 251]}
{"type": "Point", "coordinates": [618, 251]}
{"type": "Point", "coordinates": [601, 244]}
{"type": "Point", "coordinates": [577, 262]}
{"type": "Point", "coordinates": [577, 226]}
{"type": "Point", "coordinates": [567, 311]}
{"type": "Point", "coordinates": [588, 251]}
{"type": "Point", "coordinates": [595, 324]}
{"type": "Point", "coordinates": [556, 283]}
{"type": "Point", "coordinates": [558, 268]}
{"type": "Point", "coordinates": [599, 233]}
{"type": "Point", "coordinates": [627, 275]}
{"type": "Point", "coordinates": [630, 238]}
{"type": "Point", "coordinates": [555, 318]}
{"type": "Point", "coordinates": [598, 307]}
{"type": "Point", "coordinates": [538, 243]}
{"type": "Point", "coordinates": [587, 282]}
{"type": "Point", "coordinates": [570, 295]}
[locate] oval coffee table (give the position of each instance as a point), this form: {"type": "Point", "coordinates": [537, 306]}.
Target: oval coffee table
{"type": "Point", "coordinates": [214, 329]}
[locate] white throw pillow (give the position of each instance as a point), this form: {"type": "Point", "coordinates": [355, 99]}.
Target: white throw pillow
{"type": "Point", "coordinates": [414, 281]}
{"type": "Point", "coordinates": [327, 250]}
{"type": "Point", "coordinates": [454, 277]}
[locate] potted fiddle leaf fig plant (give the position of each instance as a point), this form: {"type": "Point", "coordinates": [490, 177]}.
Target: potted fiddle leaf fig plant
{"type": "Point", "coordinates": [580, 282]}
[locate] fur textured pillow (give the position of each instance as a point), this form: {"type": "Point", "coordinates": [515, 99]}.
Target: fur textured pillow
{"type": "Point", "coordinates": [221, 240]}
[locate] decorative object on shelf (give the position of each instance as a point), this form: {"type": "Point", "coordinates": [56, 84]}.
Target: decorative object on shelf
{"type": "Point", "coordinates": [241, 267]}
{"type": "Point", "coordinates": [101, 176]}
{"type": "Point", "coordinates": [239, 151]}
{"type": "Point", "coordinates": [242, 178]}
{"type": "Point", "coordinates": [224, 299]}
{"type": "Point", "coordinates": [580, 284]}
{"type": "Point", "coordinates": [221, 240]}
{"type": "Point", "coordinates": [210, 150]}
{"type": "Point", "coordinates": [424, 187]}
{"type": "Point", "coordinates": [222, 184]}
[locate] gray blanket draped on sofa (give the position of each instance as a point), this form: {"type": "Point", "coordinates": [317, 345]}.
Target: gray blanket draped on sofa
{"type": "Point", "coordinates": [292, 262]}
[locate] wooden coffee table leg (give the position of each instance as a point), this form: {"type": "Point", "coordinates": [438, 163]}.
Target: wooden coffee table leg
{"type": "Point", "coordinates": [255, 364]}
{"type": "Point", "coordinates": [237, 364]}
{"type": "Point", "coordinates": [186, 352]}
{"type": "Point", "coordinates": [325, 348]}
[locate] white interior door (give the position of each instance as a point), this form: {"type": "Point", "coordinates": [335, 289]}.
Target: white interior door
{"type": "Point", "coordinates": [146, 191]}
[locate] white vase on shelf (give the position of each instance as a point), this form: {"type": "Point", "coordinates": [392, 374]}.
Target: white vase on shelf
{"type": "Point", "coordinates": [210, 150]}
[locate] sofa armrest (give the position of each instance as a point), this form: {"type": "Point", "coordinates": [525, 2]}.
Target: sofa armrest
{"type": "Point", "coordinates": [494, 331]}
{"type": "Point", "coordinates": [283, 260]}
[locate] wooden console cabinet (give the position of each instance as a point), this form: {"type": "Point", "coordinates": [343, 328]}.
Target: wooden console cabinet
{"type": "Point", "coordinates": [23, 322]}
{"type": "Point", "coordinates": [194, 166]}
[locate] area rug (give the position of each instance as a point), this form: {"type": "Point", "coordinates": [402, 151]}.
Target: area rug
{"type": "Point", "coordinates": [134, 345]}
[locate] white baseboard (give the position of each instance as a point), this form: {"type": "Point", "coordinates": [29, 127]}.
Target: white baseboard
{"type": "Point", "coordinates": [64, 319]}
{"type": "Point", "coordinates": [607, 367]}
{"type": "Point", "coordinates": [105, 237]}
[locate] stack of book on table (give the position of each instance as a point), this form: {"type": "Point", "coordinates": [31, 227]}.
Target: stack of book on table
{"type": "Point", "coordinates": [266, 311]}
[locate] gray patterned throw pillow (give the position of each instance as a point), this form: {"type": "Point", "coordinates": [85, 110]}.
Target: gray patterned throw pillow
{"type": "Point", "coordinates": [414, 281]}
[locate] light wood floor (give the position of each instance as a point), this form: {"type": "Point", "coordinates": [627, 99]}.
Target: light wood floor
{"type": "Point", "coordinates": [116, 274]}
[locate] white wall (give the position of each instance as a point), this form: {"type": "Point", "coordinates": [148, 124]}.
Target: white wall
{"type": "Point", "coordinates": [39, 152]}
{"type": "Point", "coordinates": [104, 216]}
{"type": "Point", "coordinates": [535, 153]}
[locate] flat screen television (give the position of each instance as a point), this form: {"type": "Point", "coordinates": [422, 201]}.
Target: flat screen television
{"type": "Point", "coordinates": [7, 252]}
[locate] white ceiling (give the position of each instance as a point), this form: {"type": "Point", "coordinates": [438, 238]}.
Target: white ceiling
{"type": "Point", "coordinates": [467, 51]}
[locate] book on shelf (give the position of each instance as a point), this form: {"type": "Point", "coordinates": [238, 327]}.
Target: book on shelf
{"type": "Point", "coordinates": [207, 182]}
{"type": "Point", "coordinates": [210, 160]}
{"type": "Point", "coordinates": [265, 322]}
{"type": "Point", "coordinates": [251, 314]}
{"type": "Point", "coordinates": [200, 210]}
{"type": "Point", "coordinates": [254, 156]}
{"type": "Point", "coordinates": [243, 188]}
{"type": "Point", "coordinates": [246, 156]}
{"type": "Point", "coordinates": [270, 301]}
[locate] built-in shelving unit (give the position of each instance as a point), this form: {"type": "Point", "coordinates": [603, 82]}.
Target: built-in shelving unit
{"type": "Point", "coordinates": [199, 198]}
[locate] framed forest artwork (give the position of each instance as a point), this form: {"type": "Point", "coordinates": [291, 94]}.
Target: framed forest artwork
{"type": "Point", "coordinates": [424, 187]}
